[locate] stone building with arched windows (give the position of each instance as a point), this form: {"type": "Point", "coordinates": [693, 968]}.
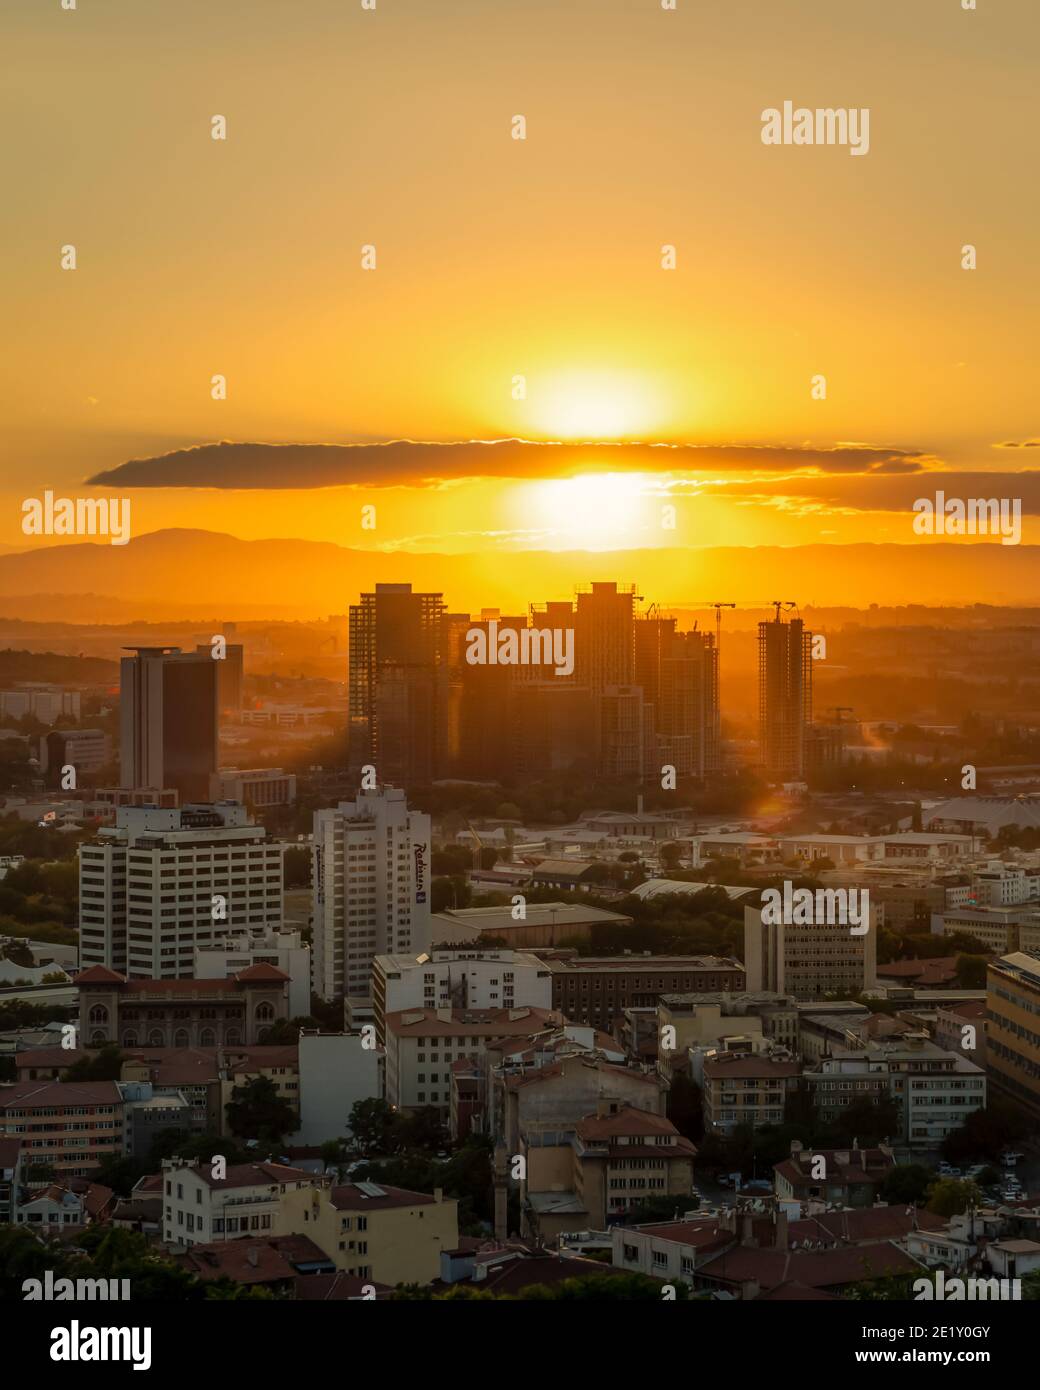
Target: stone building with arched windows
{"type": "Point", "coordinates": [180, 1013]}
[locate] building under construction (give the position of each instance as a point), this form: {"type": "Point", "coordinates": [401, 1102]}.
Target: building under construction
{"type": "Point", "coordinates": [785, 704]}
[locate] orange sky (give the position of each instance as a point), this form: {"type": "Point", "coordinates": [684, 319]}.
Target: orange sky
{"type": "Point", "coordinates": [540, 258]}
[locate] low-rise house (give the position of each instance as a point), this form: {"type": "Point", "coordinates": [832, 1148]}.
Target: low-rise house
{"type": "Point", "coordinates": [56, 1207]}
{"type": "Point", "coordinates": [849, 1176]}
{"type": "Point", "coordinates": [275, 1262]}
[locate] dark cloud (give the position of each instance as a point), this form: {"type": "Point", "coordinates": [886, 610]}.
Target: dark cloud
{"type": "Point", "coordinates": [1018, 444]}
{"type": "Point", "coordinates": [421, 464]}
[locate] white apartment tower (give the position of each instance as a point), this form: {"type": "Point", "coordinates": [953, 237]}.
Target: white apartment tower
{"type": "Point", "coordinates": [371, 877]}
{"type": "Point", "coordinates": [163, 882]}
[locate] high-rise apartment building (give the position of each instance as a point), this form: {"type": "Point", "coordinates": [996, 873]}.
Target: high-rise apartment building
{"type": "Point", "coordinates": [162, 882]}
{"type": "Point", "coordinates": [398, 684]}
{"type": "Point", "coordinates": [371, 880]}
{"type": "Point", "coordinates": [169, 719]}
{"type": "Point", "coordinates": [604, 636]}
{"type": "Point", "coordinates": [784, 696]}
{"type": "Point", "coordinates": [679, 676]}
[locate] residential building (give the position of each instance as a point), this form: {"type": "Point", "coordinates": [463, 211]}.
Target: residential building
{"type": "Point", "coordinates": [248, 1198]}
{"type": "Point", "coordinates": [614, 1158]}
{"type": "Point", "coordinates": [169, 719]}
{"type": "Point", "coordinates": [165, 881]}
{"type": "Point", "coordinates": [335, 1071]}
{"type": "Point", "coordinates": [68, 1126]}
{"type": "Point", "coordinates": [386, 1234]}
{"type": "Point", "coordinates": [703, 1019]}
{"type": "Point", "coordinates": [371, 877]}
{"type": "Point", "coordinates": [851, 1177]}
{"type": "Point", "coordinates": [422, 1044]}
{"type": "Point", "coordinates": [542, 1104]}
{"type": "Point", "coordinates": [746, 1088]}
{"type": "Point", "coordinates": [935, 1091]}
{"type": "Point", "coordinates": [480, 978]}
{"type": "Point", "coordinates": [64, 1207]}
{"type": "Point", "coordinates": [181, 1013]}
{"type": "Point", "coordinates": [961, 1027]}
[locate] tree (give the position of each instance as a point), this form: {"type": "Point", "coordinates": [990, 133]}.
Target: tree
{"type": "Point", "coordinates": [971, 972]}
{"type": "Point", "coordinates": [906, 1182]}
{"type": "Point", "coordinates": [104, 1065]}
{"type": "Point", "coordinates": [686, 1106]}
{"type": "Point", "coordinates": [257, 1111]}
{"type": "Point", "coordinates": [986, 1132]}
{"type": "Point", "coordinates": [671, 855]}
{"type": "Point", "coordinates": [297, 867]}
{"type": "Point", "coordinates": [372, 1124]}
{"type": "Point", "coordinates": [952, 1196]}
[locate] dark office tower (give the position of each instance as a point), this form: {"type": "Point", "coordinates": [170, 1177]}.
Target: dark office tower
{"type": "Point", "coordinates": [604, 639]}
{"type": "Point", "coordinates": [483, 704]}
{"type": "Point", "coordinates": [169, 719]}
{"type": "Point", "coordinates": [679, 675]}
{"type": "Point", "coordinates": [784, 696]}
{"type": "Point", "coordinates": [398, 685]}
{"type": "Point", "coordinates": [229, 675]}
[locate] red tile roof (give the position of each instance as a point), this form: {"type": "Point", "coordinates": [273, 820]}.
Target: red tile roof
{"type": "Point", "coordinates": [327, 1288]}
{"type": "Point", "coordinates": [815, 1269]}
{"type": "Point", "coordinates": [262, 973]}
{"type": "Point", "coordinates": [99, 975]}
{"type": "Point", "coordinates": [350, 1197]}
{"type": "Point", "coordinates": [59, 1093]}
{"type": "Point", "coordinates": [481, 1023]}
{"type": "Point", "coordinates": [627, 1121]}
{"type": "Point", "coordinates": [252, 1260]}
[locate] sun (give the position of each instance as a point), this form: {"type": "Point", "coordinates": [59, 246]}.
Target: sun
{"type": "Point", "coordinates": [591, 511]}
{"type": "Point", "coordinates": [587, 404]}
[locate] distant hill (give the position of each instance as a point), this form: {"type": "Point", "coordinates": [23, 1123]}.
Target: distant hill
{"type": "Point", "coordinates": [189, 573]}
{"type": "Point", "coordinates": [52, 667]}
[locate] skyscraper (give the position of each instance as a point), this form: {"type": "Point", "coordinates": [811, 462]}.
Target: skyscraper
{"type": "Point", "coordinates": [371, 878]}
{"type": "Point", "coordinates": [679, 675]}
{"type": "Point", "coordinates": [784, 696]}
{"type": "Point", "coordinates": [398, 685]}
{"type": "Point", "coordinates": [169, 720]}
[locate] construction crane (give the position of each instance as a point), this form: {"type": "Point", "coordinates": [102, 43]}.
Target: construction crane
{"type": "Point", "coordinates": [779, 603]}
{"type": "Point", "coordinates": [718, 620]}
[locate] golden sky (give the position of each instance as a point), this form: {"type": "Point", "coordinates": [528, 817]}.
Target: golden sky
{"type": "Point", "coordinates": [541, 258]}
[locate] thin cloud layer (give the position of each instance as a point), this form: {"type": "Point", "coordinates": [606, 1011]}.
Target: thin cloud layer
{"type": "Point", "coordinates": [414, 463]}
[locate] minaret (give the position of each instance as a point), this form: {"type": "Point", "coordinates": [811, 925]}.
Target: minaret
{"type": "Point", "coordinates": [501, 1191]}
